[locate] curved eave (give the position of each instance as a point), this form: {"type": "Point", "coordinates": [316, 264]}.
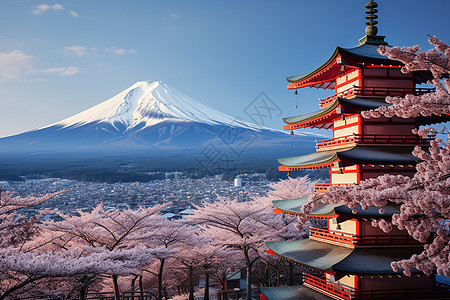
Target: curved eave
{"type": "Point", "coordinates": [323, 118]}
{"type": "Point", "coordinates": [328, 210]}
{"type": "Point", "coordinates": [366, 54]}
{"type": "Point", "coordinates": [322, 159]}
{"type": "Point", "coordinates": [331, 258]}
{"type": "Point", "coordinates": [293, 207]}
{"type": "Point", "coordinates": [371, 155]}
{"type": "Point", "coordinates": [310, 253]}
{"type": "Point", "coordinates": [368, 261]}
{"type": "Point", "coordinates": [298, 81]}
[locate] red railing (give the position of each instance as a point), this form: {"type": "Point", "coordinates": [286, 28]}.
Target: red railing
{"type": "Point", "coordinates": [374, 91]}
{"type": "Point", "coordinates": [329, 287]}
{"type": "Point", "coordinates": [350, 293]}
{"type": "Point", "coordinates": [321, 187]}
{"type": "Point", "coordinates": [362, 240]}
{"type": "Point", "coordinates": [340, 141]}
{"type": "Point", "coordinates": [390, 91]}
{"type": "Point", "coordinates": [328, 100]}
{"type": "Point", "coordinates": [372, 139]}
{"type": "Point", "coordinates": [384, 240]}
{"type": "Point", "coordinates": [332, 235]}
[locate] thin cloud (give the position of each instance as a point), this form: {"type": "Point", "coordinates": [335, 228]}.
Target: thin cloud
{"type": "Point", "coordinates": [120, 51]}
{"type": "Point", "coordinates": [74, 14]}
{"type": "Point", "coordinates": [76, 51]}
{"type": "Point", "coordinates": [175, 15]}
{"type": "Point", "coordinates": [42, 8]}
{"type": "Point", "coordinates": [61, 71]}
{"type": "Point", "coordinates": [16, 65]}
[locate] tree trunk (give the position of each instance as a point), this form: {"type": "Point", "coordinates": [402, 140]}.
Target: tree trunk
{"type": "Point", "coordinates": [249, 282]}
{"type": "Point", "coordinates": [141, 286]}
{"type": "Point", "coordinates": [160, 275]}
{"type": "Point", "coordinates": [206, 294]}
{"type": "Point", "coordinates": [266, 274]}
{"type": "Point", "coordinates": [191, 283]}
{"type": "Point", "coordinates": [17, 287]}
{"type": "Point", "coordinates": [116, 287]}
{"type": "Point", "coordinates": [84, 287]}
{"type": "Point", "coordinates": [278, 276]}
{"type": "Point", "coordinates": [290, 280]}
{"type": "Point", "coordinates": [248, 263]}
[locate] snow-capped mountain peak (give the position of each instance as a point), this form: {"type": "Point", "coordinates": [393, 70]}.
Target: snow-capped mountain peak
{"type": "Point", "coordinates": [148, 103]}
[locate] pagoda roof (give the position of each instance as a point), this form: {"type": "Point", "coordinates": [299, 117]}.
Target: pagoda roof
{"type": "Point", "coordinates": [323, 117]}
{"type": "Point", "coordinates": [295, 292]}
{"type": "Point", "coordinates": [373, 155]}
{"type": "Point", "coordinates": [330, 258]}
{"type": "Point", "coordinates": [365, 54]}
{"type": "Point", "coordinates": [293, 206]}
{"type": "Point", "coordinates": [362, 55]}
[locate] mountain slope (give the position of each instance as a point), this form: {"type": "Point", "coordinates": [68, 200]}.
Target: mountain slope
{"type": "Point", "coordinates": [153, 119]}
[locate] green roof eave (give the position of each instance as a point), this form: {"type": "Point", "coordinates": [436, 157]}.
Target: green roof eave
{"type": "Point", "coordinates": [294, 206]}
{"type": "Point", "coordinates": [384, 155]}
{"type": "Point", "coordinates": [329, 257]}
{"type": "Point", "coordinates": [356, 104]}
{"type": "Point", "coordinates": [312, 115]}
{"type": "Point", "coordinates": [365, 53]}
{"type": "Point", "coordinates": [297, 78]}
{"type": "Point", "coordinates": [290, 205]}
{"type": "Point", "coordinates": [309, 160]}
{"type": "Point", "coordinates": [314, 254]}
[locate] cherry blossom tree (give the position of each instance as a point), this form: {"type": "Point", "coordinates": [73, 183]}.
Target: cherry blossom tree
{"type": "Point", "coordinates": [290, 188]}
{"type": "Point", "coordinates": [424, 199]}
{"type": "Point", "coordinates": [243, 226]}
{"type": "Point", "coordinates": [171, 237]}
{"type": "Point", "coordinates": [285, 225]}
{"type": "Point", "coordinates": [104, 229]}
{"type": "Point", "coordinates": [15, 233]}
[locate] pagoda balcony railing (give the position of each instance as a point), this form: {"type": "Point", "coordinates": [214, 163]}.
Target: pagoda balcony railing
{"type": "Point", "coordinates": [322, 284]}
{"type": "Point", "coordinates": [372, 139]}
{"type": "Point", "coordinates": [323, 187]}
{"type": "Point", "coordinates": [390, 91]}
{"type": "Point", "coordinates": [374, 91]}
{"type": "Point", "coordinates": [351, 293]}
{"type": "Point", "coordinates": [348, 93]}
{"type": "Point", "coordinates": [332, 235]}
{"type": "Point", "coordinates": [362, 240]}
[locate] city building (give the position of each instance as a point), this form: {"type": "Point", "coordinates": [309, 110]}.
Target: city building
{"type": "Point", "coordinates": [348, 258]}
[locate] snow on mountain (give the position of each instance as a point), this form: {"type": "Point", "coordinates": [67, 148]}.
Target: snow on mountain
{"type": "Point", "coordinates": [152, 119]}
{"type": "Point", "coordinates": [148, 103]}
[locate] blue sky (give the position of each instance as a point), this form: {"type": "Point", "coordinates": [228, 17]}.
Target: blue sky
{"type": "Point", "coordinates": [58, 58]}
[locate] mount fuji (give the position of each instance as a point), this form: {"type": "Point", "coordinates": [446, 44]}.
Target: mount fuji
{"type": "Point", "coordinates": [152, 119]}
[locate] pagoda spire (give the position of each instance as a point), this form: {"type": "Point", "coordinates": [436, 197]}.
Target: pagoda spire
{"type": "Point", "coordinates": [371, 12]}
{"type": "Point", "coordinates": [371, 31]}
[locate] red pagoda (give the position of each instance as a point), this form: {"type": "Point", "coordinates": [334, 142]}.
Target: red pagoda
{"type": "Point", "coordinates": [348, 258]}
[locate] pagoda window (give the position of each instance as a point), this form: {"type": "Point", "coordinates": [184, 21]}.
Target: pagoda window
{"type": "Point", "coordinates": [348, 281]}
{"type": "Point", "coordinates": [348, 80]}
{"type": "Point", "coordinates": [346, 125]}
{"type": "Point", "coordinates": [344, 175]}
{"type": "Point", "coordinates": [349, 226]}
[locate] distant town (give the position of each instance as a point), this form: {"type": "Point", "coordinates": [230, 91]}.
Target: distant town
{"type": "Point", "coordinates": [181, 192]}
